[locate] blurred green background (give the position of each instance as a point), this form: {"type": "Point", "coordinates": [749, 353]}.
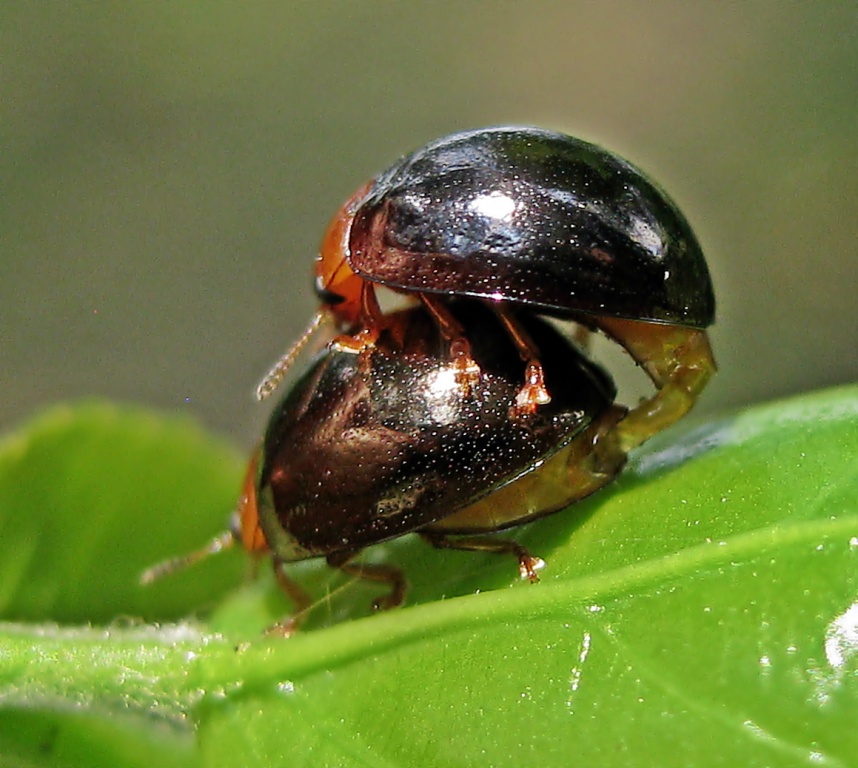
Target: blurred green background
{"type": "Point", "coordinates": [167, 169]}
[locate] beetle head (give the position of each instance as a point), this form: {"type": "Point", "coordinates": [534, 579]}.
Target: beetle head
{"type": "Point", "coordinates": [337, 285]}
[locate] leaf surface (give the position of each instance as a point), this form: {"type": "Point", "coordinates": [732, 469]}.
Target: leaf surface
{"type": "Point", "coordinates": [702, 611]}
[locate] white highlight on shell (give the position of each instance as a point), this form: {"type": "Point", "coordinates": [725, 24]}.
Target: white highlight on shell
{"type": "Point", "coordinates": [495, 205]}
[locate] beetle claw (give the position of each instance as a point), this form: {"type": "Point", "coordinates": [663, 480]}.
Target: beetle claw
{"type": "Point", "coordinates": [533, 392]}
{"type": "Point", "coordinates": [529, 566]}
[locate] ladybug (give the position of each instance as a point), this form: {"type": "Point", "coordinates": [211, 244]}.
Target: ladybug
{"type": "Point", "coordinates": [527, 221]}
{"type": "Point", "coordinates": [363, 449]}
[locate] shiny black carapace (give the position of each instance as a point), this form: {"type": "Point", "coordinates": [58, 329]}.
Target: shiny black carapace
{"type": "Point", "coordinates": [528, 221]}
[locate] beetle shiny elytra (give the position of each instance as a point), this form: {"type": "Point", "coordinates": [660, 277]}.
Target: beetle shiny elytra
{"type": "Point", "coordinates": [363, 449]}
{"type": "Point", "coordinates": [529, 221]}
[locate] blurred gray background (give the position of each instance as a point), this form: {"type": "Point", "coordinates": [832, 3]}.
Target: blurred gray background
{"type": "Point", "coordinates": [167, 170]}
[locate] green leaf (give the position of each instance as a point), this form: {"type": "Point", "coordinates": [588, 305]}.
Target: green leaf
{"type": "Point", "coordinates": [90, 495]}
{"type": "Point", "coordinates": [702, 611]}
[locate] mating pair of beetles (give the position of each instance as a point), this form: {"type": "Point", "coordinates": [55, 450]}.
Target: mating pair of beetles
{"type": "Point", "coordinates": [467, 413]}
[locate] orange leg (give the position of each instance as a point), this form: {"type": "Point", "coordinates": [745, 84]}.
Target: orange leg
{"type": "Point", "coordinates": [679, 362]}
{"type": "Point", "coordinates": [371, 325]}
{"type": "Point", "coordinates": [533, 392]}
{"type": "Point", "coordinates": [384, 574]}
{"type": "Point", "coordinates": [467, 370]}
{"type": "Point", "coordinates": [299, 597]}
{"type": "Point", "coordinates": [528, 565]}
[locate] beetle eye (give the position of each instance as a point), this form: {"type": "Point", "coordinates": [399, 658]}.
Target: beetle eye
{"type": "Point", "coordinates": [327, 296]}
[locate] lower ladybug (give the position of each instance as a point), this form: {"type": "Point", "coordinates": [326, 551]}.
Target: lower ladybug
{"type": "Point", "coordinates": [529, 221]}
{"type": "Point", "coordinates": [366, 448]}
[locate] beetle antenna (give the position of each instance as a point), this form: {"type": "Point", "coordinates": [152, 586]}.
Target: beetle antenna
{"type": "Point", "coordinates": [222, 541]}
{"type": "Point", "coordinates": [278, 371]}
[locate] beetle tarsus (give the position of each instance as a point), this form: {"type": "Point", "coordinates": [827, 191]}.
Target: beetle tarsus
{"type": "Point", "coordinates": [372, 323]}
{"type": "Point", "coordinates": [467, 369]}
{"type": "Point", "coordinates": [286, 628]}
{"type": "Point", "coordinates": [362, 342]}
{"type": "Point", "coordinates": [533, 392]}
{"type": "Point", "coordinates": [528, 565]}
